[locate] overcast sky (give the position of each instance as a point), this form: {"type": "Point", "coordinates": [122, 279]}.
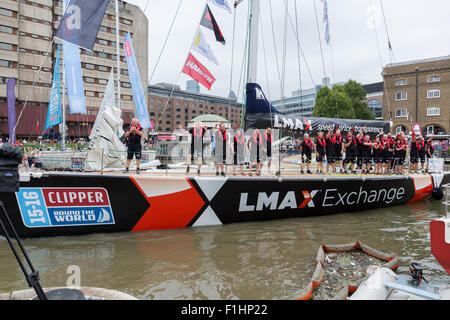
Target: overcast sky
{"type": "Point", "coordinates": [417, 29]}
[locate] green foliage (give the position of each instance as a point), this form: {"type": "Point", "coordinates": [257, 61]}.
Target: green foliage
{"type": "Point", "coordinates": [342, 101]}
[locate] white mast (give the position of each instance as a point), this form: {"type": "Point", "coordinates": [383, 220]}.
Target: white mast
{"type": "Point", "coordinates": [118, 54]}
{"type": "Point", "coordinates": [252, 60]}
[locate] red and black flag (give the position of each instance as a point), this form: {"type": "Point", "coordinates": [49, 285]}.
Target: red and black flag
{"type": "Point", "coordinates": [209, 22]}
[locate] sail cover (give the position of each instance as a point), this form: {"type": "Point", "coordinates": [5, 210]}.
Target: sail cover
{"type": "Point", "coordinates": [261, 114]}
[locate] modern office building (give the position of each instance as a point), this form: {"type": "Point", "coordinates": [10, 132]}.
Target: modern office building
{"type": "Point", "coordinates": [374, 98]}
{"type": "Point", "coordinates": [302, 102]}
{"type": "Point", "coordinates": [170, 106]}
{"type": "Point", "coordinates": [192, 86]}
{"type": "Point", "coordinates": [28, 51]}
{"type": "Point", "coordinates": [418, 91]}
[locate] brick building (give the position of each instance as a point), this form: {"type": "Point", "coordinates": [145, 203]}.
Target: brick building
{"type": "Point", "coordinates": [170, 106]}
{"type": "Point", "coordinates": [418, 90]}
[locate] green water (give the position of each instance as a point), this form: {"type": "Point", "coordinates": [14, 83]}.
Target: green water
{"type": "Point", "coordinates": [264, 260]}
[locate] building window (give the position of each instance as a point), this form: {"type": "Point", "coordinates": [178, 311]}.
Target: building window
{"type": "Point", "coordinates": [102, 81]}
{"type": "Point", "coordinates": [433, 94]}
{"type": "Point", "coordinates": [126, 84]}
{"type": "Point", "coordinates": [401, 83]}
{"type": "Point", "coordinates": [102, 55]}
{"type": "Point", "coordinates": [6, 46]}
{"type": "Point", "coordinates": [401, 96]}
{"type": "Point", "coordinates": [6, 29]}
{"type": "Point", "coordinates": [102, 68]}
{"type": "Point", "coordinates": [89, 80]}
{"type": "Point", "coordinates": [103, 28]}
{"type": "Point", "coordinates": [432, 129]}
{"type": "Point", "coordinates": [5, 63]}
{"type": "Point", "coordinates": [103, 42]}
{"type": "Point", "coordinates": [6, 12]}
{"type": "Point", "coordinates": [89, 66]}
{"type": "Point", "coordinates": [401, 113]}
{"type": "Point", "coordinates": [434, 79]}
{"type": "Point", "coordinates": [433, 111]}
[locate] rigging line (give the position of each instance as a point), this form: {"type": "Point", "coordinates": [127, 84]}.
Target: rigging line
{"type": "Point", "coordinates": [34, 83]}
{"type": "Point", "coordinates": [244, 66]}
{"type": "Point", "coordinates": [264, 51]}
{"type": "Point", "coordinates": [165, 41]}
{"type": "Point", "coordinates": [320, 40]}
{"type": "Point", "coordinates": [379, 56]}
{"type": "Point", "coordinates": [391, 51]}
{"type": "Point", "coordinates": [265, 65]}
{"type": "Point", "coordinates": [232, 59]}
{"type": "Point", "coordinates": [276, 55]}
{"type": "Point", "coordinates": [283, 61]}
{"type": "Point", "coordinates": [298, 56]}
{"type": "Point", "coordinates": [301, 49]}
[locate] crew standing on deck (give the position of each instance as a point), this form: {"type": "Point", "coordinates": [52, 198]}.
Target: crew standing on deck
{"type": "Point", "coordinates": [306, 148]}
{"type": "Point", "coordinates": [320, 151]}
{"type": "Point", "coordinates": [221, 139]}
{"type": "Point", "coordinates": [350, 152]}
{"type": "Point", "coordinates": [413, 154]}
{"type": "Point", "coordinates": [197, 133]}
{"type": "Point", "coordinates": [268, 141]}
{"type": "Point", "coordinates": [330, 150]}
{"type": "Point", "coordinates": [429, 150]}
{"type": "Point", "coordinates": [339, 149]}
{"type": "Point", "coordinates": [238, 151]}
{"type": "Point", "coordinates": [134, 147]}
{"type": "Point", "coordinates": [256, 150]}
{"type": "Point", "coordinates": [421, 152]}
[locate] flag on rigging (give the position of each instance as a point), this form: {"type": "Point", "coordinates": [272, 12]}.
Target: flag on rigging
{"type": "Point", "coordinates": [208, 21]}
{"type": "Point", "coordinates": [222, 4]}
{"type": "Point", "coordinates": [198, 72]}
{"type": "Point", "coordinates": [325, 20]}
{"type": "Point", "coordinates": [54, 115]}
{"type": "Point", "coordinates": [81, 22]}
{"type": "Point", "coordinates": [201, 46]}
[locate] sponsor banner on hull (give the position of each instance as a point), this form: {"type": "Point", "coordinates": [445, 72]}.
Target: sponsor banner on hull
{"type": "Point", "coordinates": [240, 200]}
{"type": "Point", "coordinates": [55, 207]}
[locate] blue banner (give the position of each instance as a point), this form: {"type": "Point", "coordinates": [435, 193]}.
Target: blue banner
{"type": "Point", "coordinates": [11, 103]}
{"type": "Point", "coordinates": [81, 22]}
{"type": "Point", "coordinates": [54, 115]}
{"type": "Point", "coordinates": [135, 79]}
{"type": "Point", "coordinates": [74, 79]}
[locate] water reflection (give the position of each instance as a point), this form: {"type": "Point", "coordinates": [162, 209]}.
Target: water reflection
{"type": "Point", "coordinates": [264, 260]}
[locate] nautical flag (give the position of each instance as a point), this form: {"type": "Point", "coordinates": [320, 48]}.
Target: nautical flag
{"type": "Point", "coordinates": [201, 46]}
{"type": "Point", "coordinates": [37, 126]}
{"type": "Point", "coordinates": [11, 103]}
{"type": "Point", "coordinates": [325, 20]}
{"type": "Point", "coordinates": [222, 4]}
{"type": "Point", "coordinates": [198, 72]}
{"type": "Point", "coordinates": [54, 115]}
{"type": "Point", "coordinates": [136, 85]}
{"type": "Point", "coordinates": [81, 22]}
{"type": "Point", "coordinates": [209, 22]}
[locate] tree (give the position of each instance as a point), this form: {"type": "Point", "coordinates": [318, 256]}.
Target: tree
{"type": "Point", "coordinates": [342, 101]}
{"type": "Point", "coordinates": [357, 94]}
{"type": "Point", "coordinates": [333, 103]}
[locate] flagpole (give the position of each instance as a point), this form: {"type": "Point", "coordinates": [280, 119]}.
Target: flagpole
{"type": "Point", "coordinates": [118, 54]}
{"type": "Point", "coordinates": [63, 93]}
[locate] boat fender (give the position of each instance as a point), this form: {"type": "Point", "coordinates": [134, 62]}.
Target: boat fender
{"type": "Point", "coordinates": [437, 194]}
